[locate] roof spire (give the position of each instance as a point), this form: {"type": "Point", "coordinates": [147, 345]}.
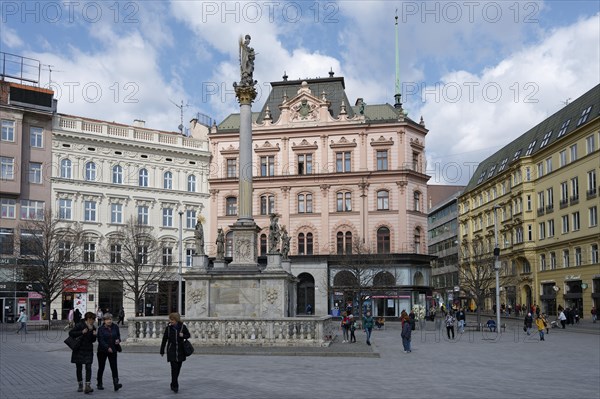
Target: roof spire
{"type": "Point", "coordinates": [397, 96]}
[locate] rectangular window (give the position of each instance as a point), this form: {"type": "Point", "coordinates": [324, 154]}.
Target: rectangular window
{"type": "Point", "coordinates": [167, 256]}
{"type": "Point", "coordinates": [594, 254]}
{"type": "Point", "coordinates": [573, 149]}
{"type": "Point", "coordinates": [548, 165]}
{"type": "Point", "coordinates": [578, 256]}
{"type": "Point", "coordinates": [576, 221]}
{"type": "Point", "coordinates": [550, 197]}
{"type": "Point", "coordinates": [167, 220]}
{"type": "Point", "coordinates": [551, 228]}
{"type": "Point", "coordinates": [542, 262]}
{"type": "Point", "coordinates": [305, 164]}
{"type": "Point", "coordinates": [142, 255]}
{"type": "Point", "coordinates": [115, 253]}
{"type": "Point", "coordinates": [540, 169]}
{"type": "Point", "coordinates": [36, 137]}
{"type": "Point", "coordinates": [64, 251]}
{"type": "Point", "coordinates": [529, 232]}
{"type": "Point", "coordinates": [32, 210]}
{"type": "Point", "coordinates": [116, 213]}
{"type": "Point", "coordinates": [593, 216]}
{"type": "Point", "coordinates": [232, 168]}
{"type": "Point", "coordinates": [584, 116]}
{"type": "Point", "coordinates": [8, 130]}
{"type": "Point", "coordinates": [528, 202]}
{"type": "Point", "coordinates": [8, 208]}
{"type": "Point", "coordinates": [142, 215]}
{"type": "Point", "coordinates": [344, 202]}
{"type": "Point", "coordinates": [190, 219]}
{"type": "Point", "coordinates": [562, 158]}
{"type": "Point", "coordinates": [31, 242]}
{"type": "Point", "coordinates": [565, 224]}
{"type": "Point", "coordinates": [35, 172]}
{"type": "Point", "coordinates": [7, 241]}
{"type": "Point", "coordinates": [189, 253]}
{"type": "Point", "coordinates": [267, 166]}
{"type": "Point", "coordinates": [542, 229]}
{"type": "Point", "coordinates": [343, 161]}
{"type": "Point", "coordinates": [540, 200]}
{"type": "Point", "coordinates": [7, 168]}
{"type": "Point", "coordinates": [382, 160]}
{"type": "Point", "coordinates": [566, 262]}
{"type": "Point", "coordinates": [552, 261]}
{"type": "Point", "coordinates": [591, 183]}
{"type": "Point", "coordinates": [89, 252]}
{"type": "Point", "coordinates": [564, 192]}
{"type": "Point", "coordinates": [89, 211]}
{"type": "Point", "coordinates": [564, 127]}
{"type": "Point", "coordinates": [65, 207]}
{"type": "Point", "coordinates": [590, 144]}
{"type": "Point", "coordinates": [574, 189]}
{"type": "Point", "coordinates": [231, 206]}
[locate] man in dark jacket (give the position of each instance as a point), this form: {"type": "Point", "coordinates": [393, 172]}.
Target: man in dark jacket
{"type": "Point", "coordinates": [173, 337]}
{"type": "Point", "coordinates": [528, 322]}
{"type": "Point", "coordinates": [406, 335]}
{"type": "Point", "coordinates": [461, 318]}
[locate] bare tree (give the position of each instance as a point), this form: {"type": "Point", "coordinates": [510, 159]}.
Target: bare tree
{"type": "Point", "coordinates": [477, 276]}
{"type": "Point", "coordinates": [133, 255]}
{"type": "Point", "coordinates": [50, 250]}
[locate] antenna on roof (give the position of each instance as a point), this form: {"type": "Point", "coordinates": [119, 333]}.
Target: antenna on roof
{"type": "Point", "coordinates": [181, 107]}
{"type": "Point", "coordinates": [397, 95]}
{"type": "Point", "coordinates": [49, 69]}
{"type": "Point", "coordinates": [566, 102]}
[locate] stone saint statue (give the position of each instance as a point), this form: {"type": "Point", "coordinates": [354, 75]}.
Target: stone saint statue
{"type": "Point", "coordinates": [285, 243]}
{"type": "Point", "coordinates": [199, 236]}
{"type": "Point", "coordinates": [247, 57]}
{"type": "Point", "coordinates": [220, 244]}
{"type": "Point", "coordinates": [274, 234]}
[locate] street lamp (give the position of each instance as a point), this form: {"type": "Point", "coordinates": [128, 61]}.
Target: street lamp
{"type": "Point", "coordinates": [179, 284]}
{"type": "Point", "coordinates": [497, 266]}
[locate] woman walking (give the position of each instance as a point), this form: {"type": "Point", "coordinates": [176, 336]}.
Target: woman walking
{"type": "Point", "coordinates": [109, 340]}
{"type": "Point", "coordinates": [173, 337]}
{"type": "Point", "coordinates": [368, 323]}
{"type": "Point", "coordinates": [345, 328]}
{"type": "Point", "coordinates": [406, 334]}
{"type": "Point", "coordinates": [450, 325]}
{"type": "Point", "coordinates": [84, 355]}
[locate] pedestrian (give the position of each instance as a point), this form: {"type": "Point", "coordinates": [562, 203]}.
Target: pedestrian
{"type": "Point", "coordinates": [562, 318]}
{"type": "Point", "coordinates": [411, 320]}
{"type": "Point", "coordinates": [54, 315]}
{"type": "Point", "coordinates": [121, 316]}
{"type": "Point", "coordinates": [99, 314]}
{"type": "Point", "coordinates": [352, 328]}
{"type": "Point", "coordinates": [576, 315]}
{"type": "Point", "coordinates": [450, 325]}
{"type": "Point", "coordinates": [84, 355]}
{"type": "Point", "coordinates": [70, 319]}
{"type": "Point", "coordinates": [461, 318]}
{"type": "Point", "coordinates": [77, 316]}
{"type": "Point", "coordinates": [406, 335]}
{"type": "Point", "coordinates": [594, 313]}
{"type": "Point", "coordinates": [368, 323]}
{"type": "Point", "coordinates": [109, 342]}
{"type": "Point", "coordinates": [173, 337]}
{"type": "Point", "coordinates": [345, 328]}
{"type": "Point", "coordinates": [539, 322]}
{"type": "Point", "coordinates": [528, 323]}
{"type": "Point", "coordinates": [545, 321]}
{"type": "Point", "coordinates": [23, 320]}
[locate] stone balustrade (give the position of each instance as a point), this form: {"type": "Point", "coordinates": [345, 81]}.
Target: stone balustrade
{"type": "Point", "coordinates": [220, 331]}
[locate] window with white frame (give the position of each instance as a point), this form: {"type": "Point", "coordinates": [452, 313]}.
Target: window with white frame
{"type": "Point", "coordinates": [115, 253]}
{"type": "Point", "coordinates": [593, 216]}
{"type": "Point", "coordinates": [267, 204]}
{"type": "Point", "coordinates": [89, 211]}
{"type": "Point", "coordinates": [344, 201]}
{"type": "Point", "coordinates": [36, 137]}
{"type": "Point", "coordinates": [189, 256]}
{"type": "Point", "coordinates": [542, 262]}
{"type": "Point", "coordinates": [548, 165]}
{"type": "Point", "coordinates": [167, 256]}
{"type": "Point", "coordinates": [65, 209]}
{"type": "Point", "coordinates": [167, 217]}
{"type": "Point", "coordinates": [382, 159]}
{"type": "Point", "coordinates": [8, 208]}
{"type": "Point", "coordinates": [231, 206]}
{"type": "Point", "coordinates": [574, 188]}
{"type": "Point", "coordinates": [343, 161]}
{"type": "Point", "coordinates": [578, 257]}
{"type": "Point", "coordinates": [143, 177]}
{"type": "Point", "coordinates": [142, 254]}
{"type": "Point", "coordinates": [590, 144]}
{"type": "Point", "coordinates": [143, 215]}
{"type": "Point", "coordinates": [383, 200]}
{"type": "Point", "coordinates": [35, 172]}
{"type": "Point", "coordinates": [546, 139]}
{"type": "Point", "coordinates": [305, 164]}
{"type": "Point", "coordinates": [64, 251]}
{"type": "Point", "coordinates": [89, 252]}
{"type": "Point", "coordinates": [267, 165]}
{"type": "Point", "coordinates": [8, 130]}
{"type": "Point", "coordinates": [542, 230]}
{"type": "Point", "coordinates": [591, 183]}
{"type": "Point", "coordinates": [540, 169]}
{"type": "Point", "coordinates": [550, 197]}
{"type": "Point", "coordinates": [551, 228]}
{"type": "Point", "coordinates": [7, 168]}
{"type": "Point", "coordinates": [32, 210]}
{"type": "Point", "coordinates": [584, 116]}
{"type": "Point", "coordinates": [573, 150]}
{"type": "Point", "coordinates": [191, 183]}
{"type": "Point", "coordinates": [565, 224]}
{"type": "Point", "coordinates": [190, 219]}
{"type": "Point", "coordinates": [552, 261]}
{"type": "Point", "coordinates": [576, 221]}
{"type": "Point", "coordinates": [231, 167]}
{"type": "Point", "coordinates": [563, 127]}
{"type": "Point", "coordinates": [116, 213]}
{"type": "Point", "coordinates": [168, 181]}
{"type": "Point", "coordinates": [305, 203]}
{"type": "Point", "coordinates": [117, 174]}
{"type": "Point", "coordinates": [519, 235]}
{"type": "Point", "coordinates": [566, 258]}
{"type": "Point", "coordinates": [562, 158]}
{"type": "Point", "coordinates": [564, 192]}
{"type": "Point", "coordinates": [594, 254]}
{"type": "Point", "coordinates": [90, 171]}
{"type": "Point", "coordinates": [66, 168]}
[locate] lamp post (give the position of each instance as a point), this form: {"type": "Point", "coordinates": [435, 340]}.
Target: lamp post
{"type": "Point", "coordinates": [179, 284]}
{"type": "Point", "coordinates": [497, 266]}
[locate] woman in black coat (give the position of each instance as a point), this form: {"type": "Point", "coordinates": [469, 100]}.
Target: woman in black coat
{"type": "Point", "coordinates": [173, 337]}
{"type": "Point", "coordinates": [85, 353]}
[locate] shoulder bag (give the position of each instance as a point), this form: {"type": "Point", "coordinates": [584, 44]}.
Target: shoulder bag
{"type": "Point", "coordinates": [73, 343]}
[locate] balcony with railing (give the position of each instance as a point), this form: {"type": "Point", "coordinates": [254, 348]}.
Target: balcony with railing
{"type": "Point", "coordinates": [550, 208]}
{"type": "Point", "coordinates": [574, 199]}
{"type": "Point", "coordinates": [591, 193]}
{"type": "Point", "coordinates": [563, 203]}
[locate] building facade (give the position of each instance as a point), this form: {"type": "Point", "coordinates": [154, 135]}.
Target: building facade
{"type": "Point", "coordinates": [544, 189]}
{"type": "Point", "coordinates": [106, 174]}
{"type": "Point", "coordinates": [344, 180]}
{"type": "Point", "coordinates": [26, 114]}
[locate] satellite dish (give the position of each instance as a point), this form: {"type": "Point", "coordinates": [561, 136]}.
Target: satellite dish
{"type": "Point", "coordinates": [555, 288]}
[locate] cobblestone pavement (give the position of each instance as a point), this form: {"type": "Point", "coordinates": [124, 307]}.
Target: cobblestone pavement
{"type": "Point", "coordinates": [473, 365]}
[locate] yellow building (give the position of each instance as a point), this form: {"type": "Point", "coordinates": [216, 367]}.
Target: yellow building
{"type": "Point", "coordinates": [544, 188]}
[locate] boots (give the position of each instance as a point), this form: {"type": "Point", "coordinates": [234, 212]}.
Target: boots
{"type": "Point", "coordinates": [80, 389]}
{"type": "Point", "coordinates": [99, 385]}
{"type": "Point", "coordinates": [88, 388]}
{"type": "Point", "coordinates": [117, 385]}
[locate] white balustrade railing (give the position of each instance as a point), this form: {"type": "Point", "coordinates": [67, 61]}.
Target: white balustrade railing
{"type": "Point", "coordinates": [213, 331]}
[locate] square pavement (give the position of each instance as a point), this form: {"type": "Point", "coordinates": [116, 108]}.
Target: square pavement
{"type": "Point", "coordinates": [473, 365]}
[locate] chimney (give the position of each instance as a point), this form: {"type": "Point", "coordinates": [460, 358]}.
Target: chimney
{"type": "Point", "coordinates": [139, 123]}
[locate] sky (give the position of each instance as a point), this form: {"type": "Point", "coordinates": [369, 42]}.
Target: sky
{"type": "Point", "coordinates": [480, 73]}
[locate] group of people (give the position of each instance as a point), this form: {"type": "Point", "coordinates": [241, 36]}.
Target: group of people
{"type": "Point", "coordinates": [109, 344]}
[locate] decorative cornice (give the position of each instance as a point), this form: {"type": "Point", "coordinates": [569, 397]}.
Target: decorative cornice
{"type": "Point", "coordinates": [267, 147]}
{"type": "Point", "coordinates": [382, 142]}
{"type": "Point", "coordinates": [304, 146]}
{"type": "Point", "coordinates": [417, 144]}
{"type": "Point", "coordinates": [231, 150]}
{"type": "Point", "coordinates": [343, 143]}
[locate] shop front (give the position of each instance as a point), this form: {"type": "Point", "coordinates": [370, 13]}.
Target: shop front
{"type": "Point", "coordinates": [75, 296]}
{"type": "Point", "coordinates": [574, 296]}
{"type": "Point", "coordinates": [548, 298]}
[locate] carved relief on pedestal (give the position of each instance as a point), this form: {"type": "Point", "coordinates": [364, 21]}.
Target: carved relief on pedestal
{"type": "Point", "coordinates": [243, 249]}
{"type": "Point", "coordinates": [196, 302]}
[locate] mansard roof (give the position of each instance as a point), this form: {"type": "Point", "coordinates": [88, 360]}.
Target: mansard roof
{"type": "Point", "coordinates": [554, 128]}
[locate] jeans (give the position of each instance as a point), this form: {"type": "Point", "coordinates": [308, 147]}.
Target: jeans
{"type": "Point", "coordinates": [175, 370]}
{"type": "Point", "coordinates": [112, 361]}
{"type": "Point", "coordinates": [368, 331]}
{"type": "Point", "coordinates": [541, 335]}
{"type": "Point", "coordinates": [345, 331]}
{"type": "Point", "coordinates": [450, 329]}
{"type": "Point", "coordinates": [23, 326]}
{"type": "Point", "coordinates": [406, 344]}
{"type": "Point", "coordinates": [88, 372]}
{"type": "Point", "coordinates": [461, 326]}
{"type": "Point", "coordinates": [352, 336]}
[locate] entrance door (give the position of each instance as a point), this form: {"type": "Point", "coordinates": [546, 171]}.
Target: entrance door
{"type": "Point", "coordinates": [305, 294]}
{"type": "Point", "coordinates": [67, 304]}
{"type": "Point", "coordinates": [110, 295]}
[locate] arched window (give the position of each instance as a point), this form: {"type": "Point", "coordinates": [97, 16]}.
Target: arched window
{"type": "Point", "coordinates": [263, 244]}
{"type": "Point", "coordinates": [117, 174]}
{"type": "Point", "coordinates": [417, 240]}
{"type": "Point", "coordinates": [143, 178]}
{"type": "Point", "coordinates": [305, 244]}
{"type": "Point", "coordinates": [301, 244]}
{"type": "Point", "coordinates": [66, 169]}
{"type": "Point", "coordinates": [383, 197]}
{"type": "Point", "coordinates": [267, 204]}
{"type": "Point", "coordinates": [229, 244]}
{"type": "Point", "coordinates": [383, 240]}
{"type": "Point", "coordinates": [191, 183]}
{"type": "Point", "coordinates": [309, 243]}
{"type": "Point", "coordinates": [340, 243]}
{"type": "Point", "coordinates": [348, 242]}
{"type": "Point", "coordinates": [417, 201]}
{"type": "Point", "coordinates": [90, 171]}
{"type": "Point", "coordinates": [168, 181]}
{"type": "Point", "coordinates": [231, 206]}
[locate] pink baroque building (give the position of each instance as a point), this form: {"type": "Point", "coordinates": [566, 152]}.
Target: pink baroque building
{"type": "Point", "coordinates": [345, 180]}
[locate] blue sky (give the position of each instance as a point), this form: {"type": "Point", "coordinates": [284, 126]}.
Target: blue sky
{"type": "Point", "coordinates": [480, 73]}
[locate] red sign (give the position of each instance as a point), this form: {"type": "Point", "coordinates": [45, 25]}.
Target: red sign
{"type": "Point", "coordinates": [75, 285]}
{"type": "Point", "coordinates": [34, 295]}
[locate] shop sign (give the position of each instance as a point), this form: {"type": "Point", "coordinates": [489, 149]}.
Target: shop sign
{"type": "Point", "coordinates": [34, 295]}
{"type": "Point", "coordinates": [9, 286]}
{"type": "Point", "coordinates": [75, 285]}
{"type": "Point", "coordinates": [8, 261]}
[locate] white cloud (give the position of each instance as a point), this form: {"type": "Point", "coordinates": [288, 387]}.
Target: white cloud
{"type": "Point", "coordinates": [9, 37]}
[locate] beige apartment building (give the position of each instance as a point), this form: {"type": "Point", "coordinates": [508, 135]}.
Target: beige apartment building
{"type": "Point", "coordinates": [544, 188]}
{"type": "Point", "coordinates": [338, 176]}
